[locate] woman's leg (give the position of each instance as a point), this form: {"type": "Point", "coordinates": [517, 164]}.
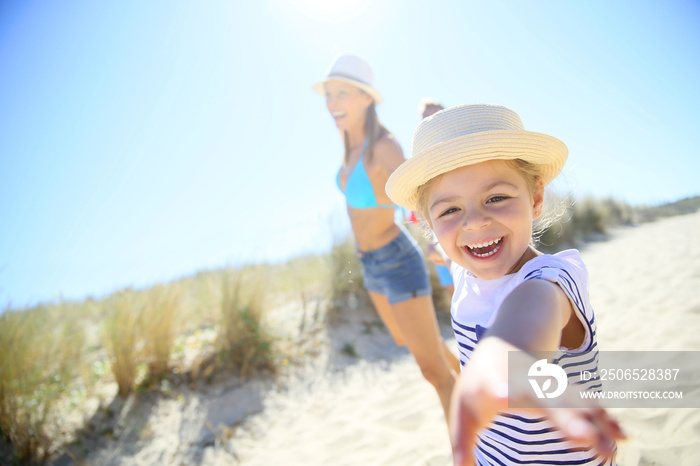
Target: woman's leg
{"type": "Point", "coordinates": [413, 323]}
{"type": "Point", "coordinates": [452, 360]}
{"type": "Point", "coordinates": [381, 304]}
{"type": "Point", "coordinates": [386, 313]}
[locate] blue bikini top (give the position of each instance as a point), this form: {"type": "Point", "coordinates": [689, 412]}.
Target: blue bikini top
{"type": "Point", "coordinates": [358, 189]}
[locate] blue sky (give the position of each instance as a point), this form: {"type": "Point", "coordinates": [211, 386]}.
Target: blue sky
{"type": "Point", "coordinates": [143, 141]}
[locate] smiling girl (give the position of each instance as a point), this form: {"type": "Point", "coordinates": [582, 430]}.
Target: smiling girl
{"type": "Point", "coordinates": [478, 178]}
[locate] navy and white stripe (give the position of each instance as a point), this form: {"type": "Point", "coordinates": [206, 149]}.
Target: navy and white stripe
{"type": "Point", "coordinates": [518, 437]}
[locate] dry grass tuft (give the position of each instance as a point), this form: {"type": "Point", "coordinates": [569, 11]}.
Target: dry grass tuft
{"type": "Point", "coordinates": [120, 338]}
{"type": "Point", "coordinates": [40, 351]}
{"type": "Point", "coordinates": [159, 326]}
{"type": "Point", "coordinates": [245, 343]}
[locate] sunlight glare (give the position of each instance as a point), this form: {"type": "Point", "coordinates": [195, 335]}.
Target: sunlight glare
{"type": "Point", "coordinates": [332, 11]}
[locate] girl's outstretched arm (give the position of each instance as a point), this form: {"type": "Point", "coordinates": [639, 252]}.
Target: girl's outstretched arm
{"type": "Point", "coordinates": [531, 318]}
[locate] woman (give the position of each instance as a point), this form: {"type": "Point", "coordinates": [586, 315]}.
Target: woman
{"type": "Point", "coordinates": [394, 271]}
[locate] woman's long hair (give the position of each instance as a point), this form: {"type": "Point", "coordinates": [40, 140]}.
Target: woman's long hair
{"type": "Point", "coordinates": [374, 129]}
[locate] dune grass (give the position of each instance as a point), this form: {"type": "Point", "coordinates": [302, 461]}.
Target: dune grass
{"type": "Point", "coordinates": [588, 219]}
{"type": "Point", "coordinates": [245, 343]}
{"type": "Point", "coordinates": [159, 326]}
{"type": "Point", "coordinates": [585, 220]}
{"type": "Point", "coordinates": [131, 336]}
{"type": "Point", "coordinates": [40, 353]}
{"type": "Point", "coordinates": [121, 338]}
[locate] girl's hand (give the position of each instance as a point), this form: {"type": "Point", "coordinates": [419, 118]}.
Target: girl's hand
{"type": "Point", "coordinates": [482, 391]}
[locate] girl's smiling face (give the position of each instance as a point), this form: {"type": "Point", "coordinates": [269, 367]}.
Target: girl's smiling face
{"type": "Point", "coordinates": [482, 216]}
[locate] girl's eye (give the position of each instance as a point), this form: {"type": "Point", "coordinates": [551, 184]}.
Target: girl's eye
{"type": "Point", "coordinates": [448, 211]}
{"type": "Point", "coordinates": [496, 199]}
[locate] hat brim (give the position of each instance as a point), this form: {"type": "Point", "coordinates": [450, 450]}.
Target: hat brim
{"type": "Point", "coordinates": [537, 148]}
{"type": "Point", "coordinates": [320, 87]}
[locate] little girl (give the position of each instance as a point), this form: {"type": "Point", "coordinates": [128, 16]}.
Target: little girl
{"type": "Point", "coordinates": [478, 178]}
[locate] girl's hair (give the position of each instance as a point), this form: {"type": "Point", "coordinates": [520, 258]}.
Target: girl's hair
{"type": "Point", "coordinates": [374, 129]}
{"type": "Point", "coordinates": [553, 207]}
{"type": "Point", "coordinates": [427, 102]}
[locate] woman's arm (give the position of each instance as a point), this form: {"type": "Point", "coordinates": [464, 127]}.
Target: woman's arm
{"type": "Point", "coordinates": [387, 156]}
{"type": "Point", "coordinates": [530, 319]}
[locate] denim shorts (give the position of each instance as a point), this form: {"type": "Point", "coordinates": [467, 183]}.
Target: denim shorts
{"type": "Point", "coordinates": [396, 270]}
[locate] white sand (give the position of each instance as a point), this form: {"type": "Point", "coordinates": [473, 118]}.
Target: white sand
{"type": "Point", "coordinates": [645, 289]}
{"type": "Point", "coordinates": [377, 410]}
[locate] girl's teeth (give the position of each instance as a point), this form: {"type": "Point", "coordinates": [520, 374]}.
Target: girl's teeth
{"type": "Point", "coordinates": [490, 253]}
{"type": "Point", "coordinates": [473, 247]}
{"type": "Point", "coordinates": [483, 245]}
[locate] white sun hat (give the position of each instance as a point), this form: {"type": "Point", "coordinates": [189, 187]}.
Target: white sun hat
{"type": "Point", "coordinates": [353, 70]}
{"type": "Point", "coordinates": [466, 135]}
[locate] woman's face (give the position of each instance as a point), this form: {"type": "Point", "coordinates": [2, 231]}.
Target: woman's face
{"type": "Point", "coordinates": [482, 216]}
{"type": "Point", "coordinates": [347, 104]}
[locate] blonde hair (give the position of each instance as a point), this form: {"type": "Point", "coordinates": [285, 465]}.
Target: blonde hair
{"type": "Point", "coordinates": [374, 130]}
{"type": "Point", "coordinates": [530, 173]}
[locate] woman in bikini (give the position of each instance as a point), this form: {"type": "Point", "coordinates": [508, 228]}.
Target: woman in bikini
{"type": "Point", "coordinates": [393, 267]}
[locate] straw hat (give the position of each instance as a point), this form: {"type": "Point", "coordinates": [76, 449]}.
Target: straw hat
{"type": "Point", "coordinates": [350, 69]}
{"type": "Point", "coordinates": [466, 135]}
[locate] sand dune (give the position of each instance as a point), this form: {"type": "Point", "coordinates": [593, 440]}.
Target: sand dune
{"type": "Point", "coordinates": [376, 409]}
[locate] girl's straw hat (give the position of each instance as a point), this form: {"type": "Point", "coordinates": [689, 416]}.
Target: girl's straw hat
{"type": "Point", "coordinates": [466, 135]}
{"type": "Point", "coordinates": [351, 69]}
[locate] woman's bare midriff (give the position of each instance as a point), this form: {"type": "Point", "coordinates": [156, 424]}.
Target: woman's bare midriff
{"type": "Point", "coordinates": [373, 228]}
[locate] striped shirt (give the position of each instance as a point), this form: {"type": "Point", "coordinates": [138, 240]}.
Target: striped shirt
{"type": "Point", "coordinates": [518, 437]}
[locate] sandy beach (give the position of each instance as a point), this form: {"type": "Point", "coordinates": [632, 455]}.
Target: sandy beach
{"type": "Point", "coordinates": [374, 408]}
